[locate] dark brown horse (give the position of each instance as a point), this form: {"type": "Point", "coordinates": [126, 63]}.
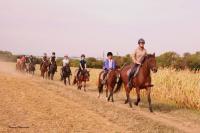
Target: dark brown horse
{"type": "Point", "coordinates": [112, 79]}
{"type": "Point", "coordinates": [31, 68]}
{"type": "Point", "coordinates": [65, 74]}
{"type": "Point", "coordinates": [81, 79]}
{"type": "Point", "coordinates": [44, 69]}
{"type": "Point", "coordinates": [141, 81]}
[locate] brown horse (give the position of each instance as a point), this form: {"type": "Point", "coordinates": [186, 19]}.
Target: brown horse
{"type": "Point", "coordinates": [141, 81]}
{"type": "Point", "coordinates": [18, 65]}
{"type": "Point", "coordinates": [31, 68]}
{"type": "Point", "coordinates": [21, 66]}
{"type": "Point", "coordinates": [44, 69]}
{"type": "Point", "coordinates": [112, 79]}
{"type": "Point", "coordinates": [81, 79]}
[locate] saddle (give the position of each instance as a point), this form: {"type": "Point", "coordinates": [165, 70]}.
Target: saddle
{"type": "Point", "coordinates": [136, 71]}
{"type": "Point", "coordinates": [104, 76]}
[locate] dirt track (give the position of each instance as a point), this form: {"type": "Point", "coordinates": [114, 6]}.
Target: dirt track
{"type": "Point", "coordinates": [31, 104]}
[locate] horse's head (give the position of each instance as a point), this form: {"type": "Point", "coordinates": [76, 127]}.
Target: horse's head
{"type": "Point", "coordinates": [151, 61]}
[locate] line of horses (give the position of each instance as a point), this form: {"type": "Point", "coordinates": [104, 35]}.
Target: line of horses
{"type": "Point", "coordinates": [48, 71]}
{"type": "Point", "coordinates": [115, 78]}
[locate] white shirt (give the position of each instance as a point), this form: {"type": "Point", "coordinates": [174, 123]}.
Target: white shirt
{"type": "Point", "coordinates": [65, 62]}
{"type": "Point", "coordinates": [110, 64]}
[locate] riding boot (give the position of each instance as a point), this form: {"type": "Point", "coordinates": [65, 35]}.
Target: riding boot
{"type": "Point", "coordinates": [130, 84]}
{"type": "Point", "coordinates": [104, 77]}
{"type": "Point", "coordinates": [78, 73]}
{"type": "Point", "coordinates": [130, 76]}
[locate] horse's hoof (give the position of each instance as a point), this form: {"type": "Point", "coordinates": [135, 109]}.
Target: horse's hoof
{"type": "Point", "coordinates": [136, 104]}
{"type": "Point", "coordinates": [151, 110]}
{"type": "Point", "coordinates": [131, 106]}
{"type": "Point", "coordinates": [126, 102]}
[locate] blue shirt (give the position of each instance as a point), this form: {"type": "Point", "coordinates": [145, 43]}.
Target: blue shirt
{"type": "Point", "coordinates": [108, 66]}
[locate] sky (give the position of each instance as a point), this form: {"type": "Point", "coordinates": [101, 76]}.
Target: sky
{"type": "Point", "coordinates": [92, 27]}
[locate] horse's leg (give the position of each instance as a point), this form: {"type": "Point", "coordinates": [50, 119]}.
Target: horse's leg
{"type": "Point", "coordinates": [84, 85]}
{"type": "Point", "coordinates": [128, 97]}
{"type": "Point", "coordinates": [138, 96]}
{"type": "Point", "coordinates": [126, 101]}
{"type": "Point", "coordinates": [65, 80]}
{"type": "Point", "coordinates": [106, 91]}
{"type": "Point", "coordinates": [52, 76]}
{"type": "Point", "coordinates": [69, 81]}
{"type": "Point", "coordinates": [112, 94]}
{"type": "Point", "coordinates": [108, 88]}
{"type": "Point", "coordinates": [149, 98]}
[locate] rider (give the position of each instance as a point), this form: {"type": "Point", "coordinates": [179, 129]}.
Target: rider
{"type": "Point", "coordinates": [82, 65]}
{"type": "Point", "coordinates": [44, 58]}
{"type": "Point", "coordinates": [137, 58]}
{"type": "Point", "coordinates": [65, 61]}
{"type": "Point", "coordinates": [23, 59]}
{"type": "Point", "coordinates": [30, 59]}
{"type": "Point", "coordinates": [53, 60]}
{"type": "Point", "coordinates": [109, 64]}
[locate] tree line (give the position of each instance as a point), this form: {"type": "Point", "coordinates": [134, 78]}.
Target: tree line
{"type": "Point", "coordinates": [165, 60]}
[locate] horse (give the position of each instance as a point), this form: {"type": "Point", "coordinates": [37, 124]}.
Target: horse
{"type": "Point", "coordinates": [141, 81]}
{"type": "Point", "coordinates": [112, 79]}
{"type": "Point", "coordinates": [18, 68]}
{"type": "Point", "coordinates": [65, 74]}
{"type": "Point", "coordinates": [81, 79]}
{"type": "Point", "coordinates": [44, 69]}
{"type": "Point", "coordinates": [52, 70]}
{"type": "Point", "coordinates": [21, 66]}
{"type": "Point", "coordinates": [31, 68]}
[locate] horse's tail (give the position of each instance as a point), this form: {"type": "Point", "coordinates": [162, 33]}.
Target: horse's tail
{"type": "Point", "coordinates": [100, 87]}
{"type": "Point", "coordinates": [119, 86]}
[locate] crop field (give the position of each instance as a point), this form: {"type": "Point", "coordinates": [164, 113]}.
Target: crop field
{"type": "Point", "coordinates": [32, 104]}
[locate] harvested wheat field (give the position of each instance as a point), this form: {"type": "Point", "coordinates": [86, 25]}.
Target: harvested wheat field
{"type": "Point", "coordinates": [30, 104]}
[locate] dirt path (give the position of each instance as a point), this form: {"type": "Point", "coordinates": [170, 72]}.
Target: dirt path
{"type": "Point", "coordinates": [29, 104]}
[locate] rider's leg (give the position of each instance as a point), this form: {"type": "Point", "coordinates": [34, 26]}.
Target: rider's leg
{"type": "Point", "coordinates": [131, 74]}
{"type": "Point", "coordinates": [104, 76]}
{"type": "Point", "coordinates": [78, 73]}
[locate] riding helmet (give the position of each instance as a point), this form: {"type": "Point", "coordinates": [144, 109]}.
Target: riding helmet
{"type": "Point", "coordinates": [141, 41]}
{"type": "Point", "coordinates": [53, 53]}
{"type": "Point", "coordinates": [82, 55]}
{"type": "Point", "coordinates": [109, 54]}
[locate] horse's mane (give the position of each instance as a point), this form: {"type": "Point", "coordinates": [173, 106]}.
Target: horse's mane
{"type": "Point", "coordinates": [147, 57]}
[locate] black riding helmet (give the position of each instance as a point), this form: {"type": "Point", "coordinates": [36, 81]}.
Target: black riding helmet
{"type": "Point", "coordinates": [53, 53]}
{"type": "Point", "coordinates": [141, 41]}
{"type": "Point", "coordinates": [82, 55]}
{"type": "Point", "coordinates": [109, 54]}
